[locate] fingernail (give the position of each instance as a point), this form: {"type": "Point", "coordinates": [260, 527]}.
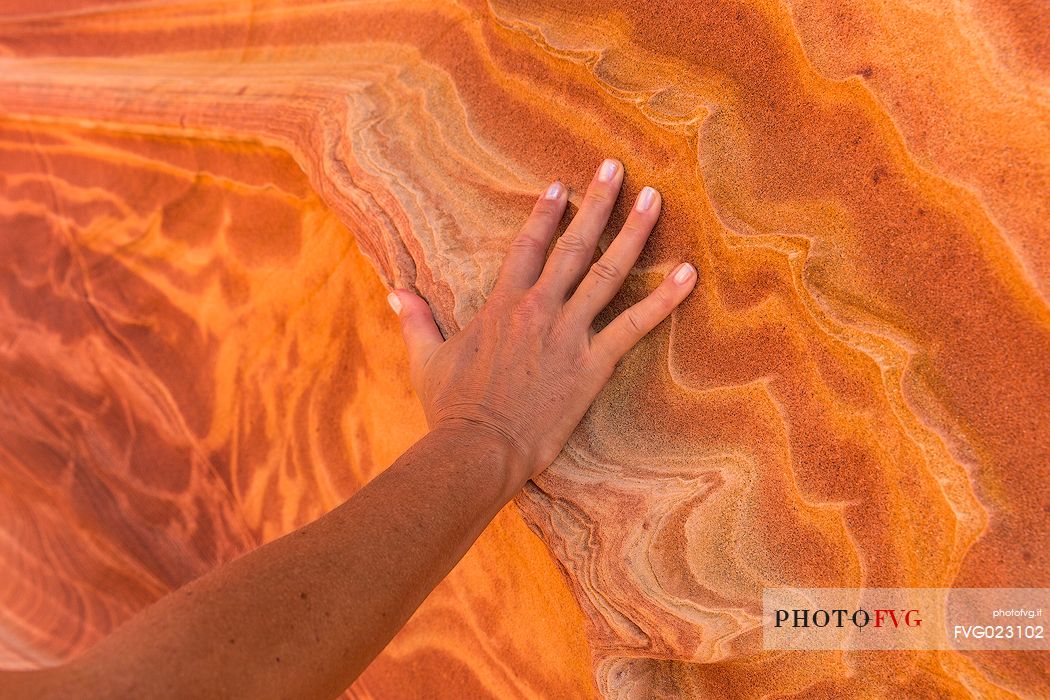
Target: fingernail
{"type": "Point", "coordinates": [554, 191]}
{"type": "Point", "coordinates": [645, 199]}
{"type": "Point", "coordinates": [394, 302]}
{"type": "Point", "coordinates": [608, 170]}
{"type": "Point", "coordinates": [684, 273]}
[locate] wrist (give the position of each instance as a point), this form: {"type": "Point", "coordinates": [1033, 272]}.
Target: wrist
{"type": "Point", "coordinates": [503, 457]}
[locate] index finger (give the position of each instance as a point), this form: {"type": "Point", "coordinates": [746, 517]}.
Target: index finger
{"type": "Point", "coordinates": [528, 251]}
{"type": "Point", "coordinates": [573, 252]}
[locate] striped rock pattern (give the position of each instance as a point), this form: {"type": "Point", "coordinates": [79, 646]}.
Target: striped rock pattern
{"type": "Point", "coordinates": [195, 357]}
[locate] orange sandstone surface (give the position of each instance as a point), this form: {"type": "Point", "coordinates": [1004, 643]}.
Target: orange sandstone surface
{"type": "Point", "coordinates": [201, 205]}
{"type": "Point", "coordinates": [198, 359]}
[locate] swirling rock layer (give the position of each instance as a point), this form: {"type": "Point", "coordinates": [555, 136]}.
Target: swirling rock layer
{"type": "Point", "coordinates": [195, 358]}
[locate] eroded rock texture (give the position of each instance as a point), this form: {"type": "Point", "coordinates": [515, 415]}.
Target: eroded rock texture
{"type": "Point", "coordinates": [195, 359]}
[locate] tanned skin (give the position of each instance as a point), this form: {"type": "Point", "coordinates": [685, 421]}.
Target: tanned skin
{"type": "Point", "coordinates": [302, 616]}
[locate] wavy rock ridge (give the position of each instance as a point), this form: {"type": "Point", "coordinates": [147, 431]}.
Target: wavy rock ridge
{"type": "Point", "coordinates": [856, 394]}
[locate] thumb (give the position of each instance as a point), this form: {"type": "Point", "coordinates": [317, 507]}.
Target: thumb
{"type": "Point", "coordinates": [421, 334]}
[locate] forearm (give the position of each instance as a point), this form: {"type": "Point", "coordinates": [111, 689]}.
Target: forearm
{"type": "Point", "coordinates": [304, 615]}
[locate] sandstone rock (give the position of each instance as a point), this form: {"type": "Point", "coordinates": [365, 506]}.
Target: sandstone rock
{"type": "Point", "coordinates": [855, 395]}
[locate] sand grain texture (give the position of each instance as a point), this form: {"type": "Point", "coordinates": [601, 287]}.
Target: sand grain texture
{"type": "Point", "coordinates": [196, 357]}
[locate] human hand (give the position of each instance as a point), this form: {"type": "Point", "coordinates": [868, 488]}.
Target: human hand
{"type": "Point", "coordinates": [529, 364]}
